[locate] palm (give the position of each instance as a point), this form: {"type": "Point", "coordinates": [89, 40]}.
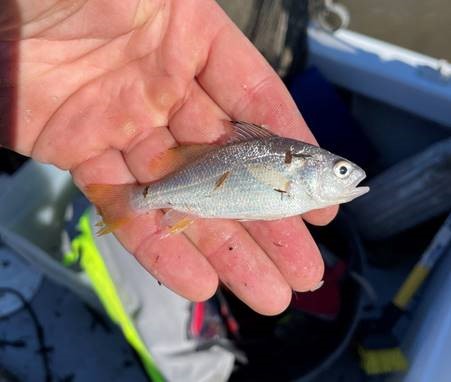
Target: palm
{"type": "Point", "coordinates": [96, 89]}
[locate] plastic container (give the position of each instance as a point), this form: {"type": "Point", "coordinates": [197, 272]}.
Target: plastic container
{"type": "Point", "coordinates": [427, 343]}
{"type": "Point", "coordinates": [32, 209]}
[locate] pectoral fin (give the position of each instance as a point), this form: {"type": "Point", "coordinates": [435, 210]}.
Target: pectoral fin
{"type": "Point", "coordinates": [272, 178]}
{"type": "Point", "coordinates": [176, 157]}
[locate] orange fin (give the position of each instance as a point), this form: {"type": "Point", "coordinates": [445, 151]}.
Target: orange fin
{"type": "Point", "coordinates": [174, 158]}
{"type": "Point", "coordinates": [175, 222]}
{"type": "Point", "coordinates": [112, 202]}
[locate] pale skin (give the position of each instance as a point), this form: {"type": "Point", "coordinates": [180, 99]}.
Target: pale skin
{"type": "Point", "coordinates": [102, 87]}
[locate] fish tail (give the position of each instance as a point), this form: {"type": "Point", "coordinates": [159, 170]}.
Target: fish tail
{"type": "Point", "coordinates": [113, 204]}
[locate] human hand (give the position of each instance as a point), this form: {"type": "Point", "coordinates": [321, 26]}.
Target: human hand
{"type": "Point", "coordinates": [96, 80]}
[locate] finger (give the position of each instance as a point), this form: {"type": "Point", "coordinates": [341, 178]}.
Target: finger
{"type": "Point", "coordinates": [109, 167]}
{"type": "Point", "coordinates": [178, 264]}
{"type": "Point", "coordinates": [322, 216]}
{"type": "Point", "coordinates": [292, 249]}
{"type": "Point", "coordinates": [241, 265]}
{"type": "Point", "coordinates": [244, 85]}
{"type": "Point", "coordinates": [139, 157]}
{"type": "Point", "coordinates": [173, 260]}
{"type": "Point", "coordinates": [199, 120]}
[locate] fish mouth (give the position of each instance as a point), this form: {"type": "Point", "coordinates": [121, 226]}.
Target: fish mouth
{"type": "Point", "coordinates": [351, 191]}
{"type": "Point", "coordinates": [356, 191]}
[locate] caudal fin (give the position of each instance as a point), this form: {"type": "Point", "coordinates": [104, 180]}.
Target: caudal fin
{"type": "Point", "coordinates": [113, 204]}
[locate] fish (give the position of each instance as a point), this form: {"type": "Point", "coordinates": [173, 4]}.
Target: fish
{"type": "Point", "coordinates": [254, 175]}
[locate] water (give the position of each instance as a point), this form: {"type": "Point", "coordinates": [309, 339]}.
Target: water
{"type": "Point", "coordinates": [419, 25]}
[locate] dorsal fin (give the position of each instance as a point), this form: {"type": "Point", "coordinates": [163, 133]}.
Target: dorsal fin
{"type": "Point", "coordinates": [245, 131]}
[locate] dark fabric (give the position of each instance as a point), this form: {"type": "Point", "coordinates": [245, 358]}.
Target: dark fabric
{"type": "Point", "coordinates": [276, 27]}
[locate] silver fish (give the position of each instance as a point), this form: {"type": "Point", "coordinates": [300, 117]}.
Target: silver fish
{"type": "Point", "coordinates": [256, 176]}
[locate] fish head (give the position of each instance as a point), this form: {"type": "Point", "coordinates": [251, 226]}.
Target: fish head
{"type": "Point", "coordinates": [331, 179]}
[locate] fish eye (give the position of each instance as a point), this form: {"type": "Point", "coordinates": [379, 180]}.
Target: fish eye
{"type": "Point", "coordinates": [342, 169]}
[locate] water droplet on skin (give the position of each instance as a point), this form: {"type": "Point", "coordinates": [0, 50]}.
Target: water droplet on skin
{"type": "Point", "coordinates": [28, 115]}
{"type": "Point", "coordinates": [129, 128]}
{"type": "Point", "coordinates": [164, 99]}
{"type": "Point", "coordinates": [280, 244]}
